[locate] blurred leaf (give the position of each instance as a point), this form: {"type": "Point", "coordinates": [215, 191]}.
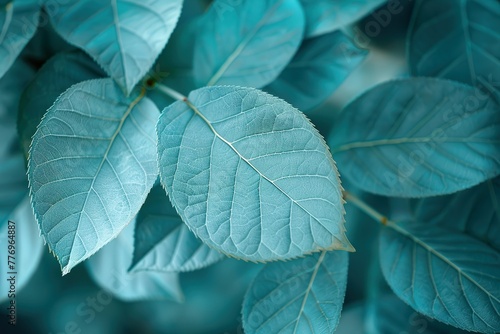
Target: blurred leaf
{"type": "Point", "coordinates": [444, 274]}
{"type": "Point", "coordinates": [247, 43]}
{"type": "Point", "coordinates": [233, 162]}
{"type": "Point", "coordinates": [92, 164]}
{"type": "Point", "coordinates": [474, 211]}
{"type": "Point", "coordinates": [455, 39]}
{"type": "Point", "coordinates": [108, 268]}
{"type": "Point", "coordinates": [123, 36]}
{"type": "Point", "coordinates": [18, 23]}
{"type": "Point", "coordinates": [318, 68]}
{"type": "Point", "coordinates": [57, 75]}
{"type": "Point", "coordinates": [324, 16]}
{"type": "Point", "coordinates": [418, 137]}
{"type": "Point", "coordinates": [300, 296]}
{"type": "Point", "coordinates": [162, 242]}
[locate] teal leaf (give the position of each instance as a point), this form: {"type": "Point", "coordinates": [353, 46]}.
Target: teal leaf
{"type": "Point", "coordinates": [108, 268]}
{"type": "Point", "coordinates": [124, 36]}
{"type": "Point", "coordinates": [457, 40]}
{"type": "Point", "coordinates": [162, 242]}
{"type": "Point", "coordinates": [18, 24]}
{"type": "Point", "coordinates": [475, 211]}
{"type": "Point", "coordinates": [12, 85]}
{"type": "Point", "coordinates": [247, 44]}
{"type": "Point", "coordinates": [300, 296]}
{"type": "Point", "coordinates": [444, 274]}
{"type": "Point", "coordinates": [418, 137]}
{"type": "Point", "coordinates": [318, 68]}
{"type": "Point", "coordinates": [92, 163]}
{"type": "Point", "coordinates": [323, 16]}
{"type": "Point", "coordinates": [58, 74]}
{"type": "Point", "coordinates": [250, 175]}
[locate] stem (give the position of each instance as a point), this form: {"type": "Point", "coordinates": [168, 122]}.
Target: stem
{"type": "Point", "coordinates": [170, 92]}
{"type": "Point", "coordinates": [366, 208]}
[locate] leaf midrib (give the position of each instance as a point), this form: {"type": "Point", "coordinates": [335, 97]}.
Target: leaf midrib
{"type": "Point", "coordinates": [417, 140]}
{"type": "Point", "coordinates": [104, 158]}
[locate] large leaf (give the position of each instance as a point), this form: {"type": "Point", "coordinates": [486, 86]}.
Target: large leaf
{"type": "Point", "coordinates": [300, 296]}
{"type": "Point", "coordinates": [444, 274]}
{"type": "Point", "coordinates": [318, 68]}
{"type": "Point", "coordinates": [250, 175]}
{"type": "Point", "coordinates": [123, 36]}
{"type": "Point", "coordinates": [418, 137]}
{"type": "Point", "coordinates": [58, 74]}
{"type": "Point", "coordinates": [18, 24]}
{"type": "Point", "coordinates": [323, 16]}
{"type": "Point", "coordinates": [108, 268]}
{"type": "Point", "coordinates": [162, 242]}
{"type": "Point", "coordinates": [455, 39]}
{"type": "Point", "coordinates": [247, 44]}
{"type": "Point", "coordinates": [475, 211]}
{"type": "Point", "coordinates": [92, 163]}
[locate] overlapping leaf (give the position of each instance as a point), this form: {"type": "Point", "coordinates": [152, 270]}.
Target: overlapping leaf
{"type": "Point", "coordinates": [18, 24]}
{"type": "Point", "coordinates": [456, 40]}
{"type": "Point", "coordinates": [323, 16]}
{"type": "Point", "coordinates": [108, 268]}
{"type": "Point", "coordinates": [300, 296]}
{"type": "Point", "coordinates": [444, 274]}
{"type": "Point", "coordinates": [162, 242]}
{"type": "Point", "coordinates": [318, 68]}
{"type": "Point", "coordinates": [418, 137]}
{"type": "Point", "coordinates": [250, 175]}
{"type": "Point", "coordinates": [92, 163]}
{"type": "Point", "coordinates": [56, 75]}
{"type": "Point", "coordinates": [248, 43]}
{"type": "Point", "coordinates": [123, 36]}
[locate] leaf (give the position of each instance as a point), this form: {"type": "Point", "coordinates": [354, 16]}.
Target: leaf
{"type": "Point", "coordinates": [92, 163]}
{"type": "Point", "coordinates": [300, 296]}
{"type": "Point", "coordinates": [324, 16]}
{"type": "Point", "coordinates": [58, 74]}
{"type": "Point", "coordinates": [389, 315]}
{"type": "Point", "coordinates": [444, 274]}
{"type": "Point", "coordinates": [475, 211]}
{"type": "Point", "coordinates": [108, 268]}
{"type": "Point", "coordinates": [18, 24]}
{"type": "Point", "coordinates": [249, 175]}
{"type": "Point", "coordinates": [457, 40]}
{"type": "Point", "coordinates": [123, 36]}
{"type": "Point", "coordinates": [318, 68]}
{"type": "Point", "coordinates": [12, 85]}
{"type": "Point", "coordinates": [418, 137]}
{"type": "Point", "coordinates": [254, 42]}
{"type": "Point", "coordinates": [164, 243]}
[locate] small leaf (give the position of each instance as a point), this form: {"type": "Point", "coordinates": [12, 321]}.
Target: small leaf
{"type": "Point", "coordinates": [254, 42]}
{"type": "Point", "coordinates": [444, 274]}
{"type": "Point", "coordinates": [455, 39]}
{"type": "Point", "coordinates": [163, 242]}
{"type": "Point", "coordinates": [418, 137]}
{"type": "Point", "coordinates": [92, 163]}
{"type": "Point", "coordinates": [318, 68]}
{"type": "Point", "coordinates": [108, 268]}
{"type": "Point", "coordinates": [474, 211]}
{"type": "Point", "coordinates": [300, 296]}
{"type": "Point", "coordinates": [123, 36]}
{"type": "Point", "coordinates": [249, 175]}
{"type": "Point", "coordinates": [18, 24]}
{"type": "Point", "coordinates": [58, 74]}
{"type": "Point", "coordinates": [323, 16]}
